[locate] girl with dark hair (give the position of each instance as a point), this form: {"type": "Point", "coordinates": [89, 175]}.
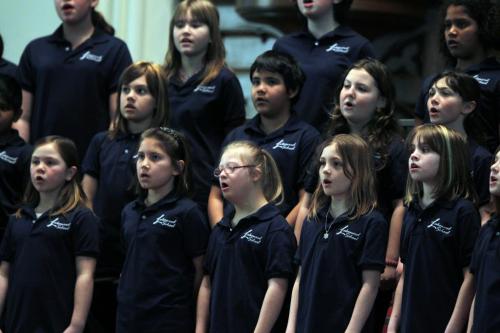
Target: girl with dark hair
{"type": "Point", "coordinates": [166, 236]}
{"type": "Point", "coordinates": [323, 51]}
{"type": "Point", "coordinates": [70, 78]}
{"type": "Point", "coordinates": [108, 167]}
{"type": "Point", "coordinates": [205, 96]}
{"type": "Point", "coordinates": [48, 254]}
{"type": "Point", "coordinates": [469, 34]}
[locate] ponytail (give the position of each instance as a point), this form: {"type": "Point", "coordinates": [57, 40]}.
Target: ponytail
{"type": "Point", "coordinates": [99, 22]}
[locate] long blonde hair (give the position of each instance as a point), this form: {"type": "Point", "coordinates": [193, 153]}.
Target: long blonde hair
{"type": "Point", "coordinates": [270, 180]}
{"type": "Point", "coordinates": [358, 168]}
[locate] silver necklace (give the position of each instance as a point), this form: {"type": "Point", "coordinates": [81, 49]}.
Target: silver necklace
{"type": "Point", "coordinates": [328, 226]}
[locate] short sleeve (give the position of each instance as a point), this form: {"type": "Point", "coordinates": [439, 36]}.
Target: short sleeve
{"type": "Point", "coordinates": [307, 151]}
{"type": "Point", "coordinates": [195, 232]}
{"type": "Point", "coordinates": [468, 225]}
{"type": "Point", "coordinates": [25, 71]}
{"type": "Point", "coordinates": [210, 259]}
{"type": "Point", "coordinates": [7, 248]}
{"type": "Point", "coordinates": [233, 103]}
{"type": "Point", "coordinates": [280, 250]}
{"type": "Point", "coordinates": [479, 248]}
{"type": "Point", "coordinates": [85, 232]}
{"type": "Point", "coordinates": [481, 176]}
{"type": "Point", "coordinates": [122, 60]}
{"type": "Point", "coordinates": [372, 255]}
{"type": "Point", "coordinates": [91, 162]}
{"type": "Point", "coordinates": [398, 169]}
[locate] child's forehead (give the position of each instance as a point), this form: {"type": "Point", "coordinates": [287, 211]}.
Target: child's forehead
{"type": "Point", "coordinates": [263, 73]}
{"type": "Point", "coordinates": [235, 154]}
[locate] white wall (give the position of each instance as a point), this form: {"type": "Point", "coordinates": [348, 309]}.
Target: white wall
{"type": "Point", "coordinates": [142, 24]}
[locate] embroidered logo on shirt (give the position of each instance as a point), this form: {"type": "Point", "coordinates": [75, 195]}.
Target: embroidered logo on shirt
{"type": "Point", "coordinates": [205, 89]}
{"type": "Point", "coordinates": [251, 238]}
{"type": "Point", "coordinates": [338, 49]}
{"type": "Point", "coordinates": [439, 227]}
{"type": "Point", "coordinates": [7, 158]}
{"type": "Point", "coordinates": [348, 234]}
{"type": "Point", "coordinates": [481, 80]}
{"type": "Point", "coordinates": [92, 57]}
{"type": "Point", "coordinates": [162, 220]}
{"type": "Point", "coordinates": [58, 225]}
{"type": "Point", "coordinates": [283, 145]}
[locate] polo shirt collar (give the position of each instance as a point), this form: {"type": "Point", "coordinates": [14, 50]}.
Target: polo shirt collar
{"type": "Point", "coordinates": [120, 136]}
{"type": "Point", "coordinates": [11, 138]}
{"type": "Point", "coordinates": [263, 214]}
{"type": "Point", "coordinates": [98, 36]}
{"type": "Point", "coordinates": [165, 201]}
{"type": "Point", "coordinates": [291, 125]}
{"type": "Point", "coordinates": [489, 63]}
{"type": "Point", "coordinates": [341, 31]}
{"type": "Point", "coordinates": [436, 204]}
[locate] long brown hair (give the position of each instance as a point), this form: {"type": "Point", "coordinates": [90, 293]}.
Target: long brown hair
{"type": "Point", "coordinates": [157, 86]}
{"type": "Point", "coordinates": [454, 179]}
{"type": "Point", "coordinates": [71, 194]}
{"type": "Point", "coordinates": [205, 12]}
{"type": "Point", "coordinates": [100, 22]}
{"type": "Point", "coordinates": [382, 128]}
{"type": "Point", "coordinates": [358, 168]}
{"type": "Point", "coordinates": [270, 180]}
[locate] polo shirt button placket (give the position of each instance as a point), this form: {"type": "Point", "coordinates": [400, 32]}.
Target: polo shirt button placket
{"type": "Point", "coordinates": [316, 43]}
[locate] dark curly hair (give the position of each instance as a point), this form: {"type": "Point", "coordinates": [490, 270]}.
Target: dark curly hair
{"type": "Point", "coordinates": [485, 13]}
{"type": "Point", "coordinates": [382, 128]}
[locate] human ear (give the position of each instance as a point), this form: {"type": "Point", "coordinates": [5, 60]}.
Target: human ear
{"type": "Point", "coordinates": [179, 168]}
{"type": "Point", "coordinates": [469, 107]}
{"type": "Point", "coordinates": [70, 173]}
{"type": "Point", "coordinates": [292, 93]}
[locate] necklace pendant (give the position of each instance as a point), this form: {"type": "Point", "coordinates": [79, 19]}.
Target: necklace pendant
{"type": "Point", "coordinates": [325, 235]}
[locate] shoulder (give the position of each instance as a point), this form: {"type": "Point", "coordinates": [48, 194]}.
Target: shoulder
{"type": "Point", "coordinates": [374, 217]}
{"type": "Point", "coordinates": [295, 37]}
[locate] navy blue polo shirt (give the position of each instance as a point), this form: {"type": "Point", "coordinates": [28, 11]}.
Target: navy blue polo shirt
{"type": "Point", "coordinates": [480, 163]}
{"type": "Point", "coordinates": [331, 268]}
{"type": "Point", "coordinates": [206, 113]}
{"type": "Point", "coordinates": [15, 157]}
{"type": "Point", "coordinates": [156, 292]}
{"type": "Point", "coordinates": [487, 73]}
{"type": "Point", "coordinates": [485, 265]}
{"type": "Point", "coordinates": [390, 181]}
{"type": "Point", "coordinates": [42, 256]}
{"type": "Point", "coordinates": [436, 245]}
{"type": "Point", "coordinates": [111, 162]}
{"type": "Point", "coordinates": [292, 147]}
{"type": "Point", "coordinates": [323, 61]}
{"type": "Point", "coordinates": [71, 88]}
{"type": "Point", "coordinates": [8, 68]}
{"type": "Point", "coordinates": [240, 261]}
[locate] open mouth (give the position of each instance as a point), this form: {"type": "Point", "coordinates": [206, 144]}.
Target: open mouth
{"type": "Point", "coordinates": [224, 186]}
{"type": "Point", "coordinates": [413, 167]}
{"type": "Point", "coordinates": [67, 6]}
{"type": "Point", "coordinates": [493, 180]}
{"type": "Point", "coordinates": [433, 111]}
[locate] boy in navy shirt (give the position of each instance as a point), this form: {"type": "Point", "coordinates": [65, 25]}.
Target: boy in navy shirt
{"type": "Point", "coordinates": [276, 83]}
{"type": "Point", "coordinates": [14, 152]}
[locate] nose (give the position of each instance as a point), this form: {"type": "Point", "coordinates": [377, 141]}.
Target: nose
{"type": "Point", "coordinates": [414, 156]}
{"type": "Point", "coordinates": [452, 30]}
{"type": "Point", "coordinates": [494, 167]}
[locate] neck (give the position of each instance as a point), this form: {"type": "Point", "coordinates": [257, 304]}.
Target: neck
{"type": "Point", "coordinates": [78, 33]}
{"type": "Point", "coordinates": [428, 195]}
{"type": "Point", "coordinates": [338, 206]}
{"type": "Point", "coordinates": [191, 66]}
{"type": "Point", "coordinates": [252, 203]}
{"type": "Point", "coordinates": [138, 127]}
{"type": "Point", "coordinates": [269, 125]}
{"type": "Point", "coordinates": [47, 201]}
{"type": "Point", "coordinates": [156, 195]}
{"type": "Point", "coordinates": [463, 64]}
{"type": "Point", "coordinates": [458, 126]}
{"type": "Point", "coordinates": [322, 25]}
{"type": "Point", "coordinates": [357, 129]}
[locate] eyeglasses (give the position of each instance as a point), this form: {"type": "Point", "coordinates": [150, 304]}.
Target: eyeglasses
{"type": "Point", "coordinates": [229, 168]}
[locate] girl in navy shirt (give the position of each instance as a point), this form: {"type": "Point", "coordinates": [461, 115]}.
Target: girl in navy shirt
{"type": "Point", "coordinates": [166, 236]}
{"type": "Point", "coordinates": [469, 34]}
{"type": "Point", "coordinates": [324, 51]}
{"type": "Point", "coordinates": [249, 257]}
{"type": "Point", "coordinates": [366, 105]}
{"type": "Point", "coordinates": [485, 265]}
{"type": "Point", "coordinates": [452, 101]}
{"type": "Point", "coordinates": [49, 250]}
{"type": "Point", "coordinates": [439, 231]}
{"type": "Point", "coordinates": [205, 96]}
{"type": "Point", "coordinates": [109, 167]}
{"type": "Point", "coordinates": [69, 78]}
{"type": "Point", "coordinates": [342, 244]}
